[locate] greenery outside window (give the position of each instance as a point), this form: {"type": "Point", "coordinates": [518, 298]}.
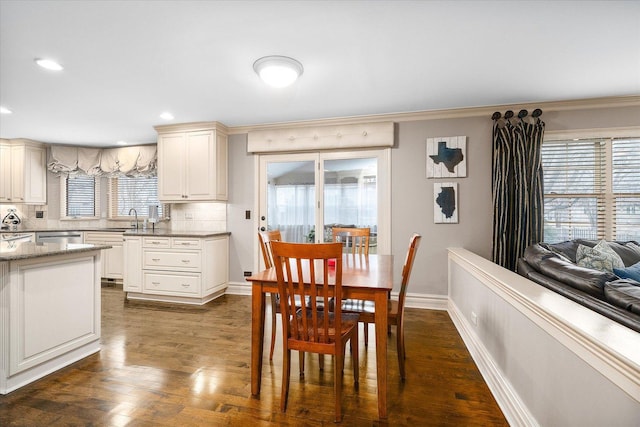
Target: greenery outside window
{"type": "Point", "coordinates": [80, 197]}
{"type": "Point", "coordinates": [591, 188]}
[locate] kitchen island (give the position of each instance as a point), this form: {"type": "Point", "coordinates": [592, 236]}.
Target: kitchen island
{"type": "Point", "coordinates": [49, 308]}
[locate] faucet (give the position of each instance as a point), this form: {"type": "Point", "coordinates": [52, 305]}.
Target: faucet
{"type": "Point", "coordinates": [136, 214]}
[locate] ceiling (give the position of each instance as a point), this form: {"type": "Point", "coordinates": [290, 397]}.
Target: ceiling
{"type": "Point", "coordinates": [128, 61]}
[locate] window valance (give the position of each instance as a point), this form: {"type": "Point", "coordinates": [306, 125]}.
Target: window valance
{"type": "Point", "coordinates": [359, 135]}
{"type": "Point", "coordinates": [129, 161]}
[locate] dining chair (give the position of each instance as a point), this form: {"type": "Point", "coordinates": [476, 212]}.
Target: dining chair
{"type": "Point", "coordinates": [395, 314]}
{"type": "Point", "coordinates": [266, 238]}
{"type": "Point", "coordinates": [306, 275]}
{"type": "Point", "coordinates": [355, 238]}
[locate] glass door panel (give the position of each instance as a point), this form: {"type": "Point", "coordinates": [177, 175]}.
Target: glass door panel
{"type": "Point", "coordinates": [351, 195]}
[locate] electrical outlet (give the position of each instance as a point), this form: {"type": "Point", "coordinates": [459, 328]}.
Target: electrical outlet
{"type": "Point", "coordinates": [247, 214]}
{"type": "Point", "coordinates": [39, 214]}
{"type": "Point", "coordinates": [247, 273]}
{"type": "Point", "coordinates": [474, 318]}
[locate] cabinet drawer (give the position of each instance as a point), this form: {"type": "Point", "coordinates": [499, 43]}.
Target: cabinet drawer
{"type": "Point", "coordinates": [172, 260]}
{"type": "Point", "coordinates": [185, 243]}
{"type": "Point", "coordinates": [172, 283]}
{"type": "Point", "coordinates": [156, 242]}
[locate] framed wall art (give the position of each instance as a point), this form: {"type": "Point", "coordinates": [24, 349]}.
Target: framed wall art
{"type": "Point", "coordinates": [447, 157]}
{"type": "Point", "coordinates": [445, 203]}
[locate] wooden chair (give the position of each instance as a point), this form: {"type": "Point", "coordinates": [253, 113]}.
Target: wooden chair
{"type": "Point", "coordinates": [266, 238]}
{"type": "Point", "coordinates": [356, 238]}
{"type": "Point", "coordinates": [396, 308]}
{"type": "Point", "coordinates": [310, 329]}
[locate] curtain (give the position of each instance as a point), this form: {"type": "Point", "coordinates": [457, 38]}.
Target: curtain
{"type": "Point", "coordinates": [112, 162]}
{"type": "Point", "coordinates": [517, 186]}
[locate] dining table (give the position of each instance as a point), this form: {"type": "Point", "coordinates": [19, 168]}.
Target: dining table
{"type": "Point", "coordinates": [364, 278]}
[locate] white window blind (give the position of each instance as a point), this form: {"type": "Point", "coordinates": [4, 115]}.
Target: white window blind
{"type": "Point", "coordinates": [626, 188]}
{"type": "Point", "coordinates": [137, 193]}
{"type": "Point", "coordinates": [80, 197]}
{"type": "Point", "coordinates": [591, 189]}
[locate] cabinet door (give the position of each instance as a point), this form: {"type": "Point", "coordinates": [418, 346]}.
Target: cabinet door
{"type": "Point", "coordinates": [132, 280]}
{"type": "Point", "coordinates": [221, 167]}
{"type": "Point", "coordinates": [200, 167]}
{"type": "Point", "coordinates": [114, 262]}
{"type": "Point", "coordinates": [171, 167]}
{"type": "Point", "coordinates": [5, 173]}
{"type": "Point", "coordinates": [35, 175]}
{"type": "Point", "coordinates": [17, 173]}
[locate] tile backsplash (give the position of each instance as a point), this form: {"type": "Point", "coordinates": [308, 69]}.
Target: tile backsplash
{"type": "Point", "coordinates": [199, 216]}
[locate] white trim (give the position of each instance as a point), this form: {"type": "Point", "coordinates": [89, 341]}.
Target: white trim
{"type": "Point", "coordinates": [513, 408]}
{"type": "Point", "coordinates": [577, 104]}
{"type": "Point", "coordinates": [618, 132]}
{"type": "Point", "coordinates": [238, 288]}
{"type": "Point", "coordinates": [423, 301]}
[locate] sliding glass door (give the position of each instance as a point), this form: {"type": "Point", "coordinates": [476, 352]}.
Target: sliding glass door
{"type": "Point", "coordinates": [303, 193]}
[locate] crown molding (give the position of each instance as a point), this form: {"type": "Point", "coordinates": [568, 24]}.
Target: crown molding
{"type": "Point", "coordinates": [194, 126]}
{"type": "Point", "coordinates": [454, 113]}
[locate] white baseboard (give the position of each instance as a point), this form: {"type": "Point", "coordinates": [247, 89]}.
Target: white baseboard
{"type": "Point", "coordinates": [510, 403]}
{"type": "Point", "coordinates": [238, 288]}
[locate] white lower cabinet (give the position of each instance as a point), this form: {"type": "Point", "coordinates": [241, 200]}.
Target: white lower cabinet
{"type": "Point", "coordinates": [112, 259]}
{"type": "Point", "coordinates": [176, 269]}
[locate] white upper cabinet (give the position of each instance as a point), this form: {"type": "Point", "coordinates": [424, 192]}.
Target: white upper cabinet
{"type": "Point", "coordinates": [192, 162]}
{"type": "Point", "coordinates": [23, 172]}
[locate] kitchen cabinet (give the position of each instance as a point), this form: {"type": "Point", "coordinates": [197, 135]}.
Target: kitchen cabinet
{"type": "Point", "coordinates": [192, 162]}
{"type": "Point", "coordinates": [23, 172]}
{"type": "Point", "coordinates": [190, 270]}
{"type": "Point", "coordinates": [112, 259]}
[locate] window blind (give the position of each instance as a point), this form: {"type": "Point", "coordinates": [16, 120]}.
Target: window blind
{"type": "Point", "coordinates": [80, 197]}
{"type": "Point", "coordinates": [574, 189]}
{"type": "Point", "coordinates": [625, 155]}
{"type": "Point", "coordinates": [137, 193]}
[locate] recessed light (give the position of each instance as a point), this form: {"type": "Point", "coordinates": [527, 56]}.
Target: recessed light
{"type": "Point", "coordinates": [5, 110]}
{"type": "Point", "coordinates": [166, 116]}
{"type": "Point", "coordinates": [278, 71]}
{"type": "Point", "coordinates": [121, 142]}
{"type": "Point", "coordinates": [49, 64]}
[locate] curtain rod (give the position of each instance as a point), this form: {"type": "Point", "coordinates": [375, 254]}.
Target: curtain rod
{"type": "Point", "coordinates": [521, 115]}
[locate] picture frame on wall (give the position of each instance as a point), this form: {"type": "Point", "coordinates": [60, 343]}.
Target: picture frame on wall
{"type": "Point", "coordinates": [447, 157]}
{"type": "Point", "coordinates": [445, 203]}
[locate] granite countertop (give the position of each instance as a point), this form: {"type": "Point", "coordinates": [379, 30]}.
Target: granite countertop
{"type": "Point", "coordinates": [11, 251]}
{"type": "Point", "coordinates": [175, 233]}
{"type": "Point", "coordinates": [36, 230]}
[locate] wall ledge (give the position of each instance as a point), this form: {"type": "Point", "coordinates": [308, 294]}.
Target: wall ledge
{"type": "Point", "coordinates": [605, 345]}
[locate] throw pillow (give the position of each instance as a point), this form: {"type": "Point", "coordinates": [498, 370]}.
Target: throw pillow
{"type": "Point", "coordinates": [632, 272]}
{"type": "Point", "coordinates": [600, 257]}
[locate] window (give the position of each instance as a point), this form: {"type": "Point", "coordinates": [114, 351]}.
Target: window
{"type": "Point", "coordinates": [134, 193]}
{"type": "Point", "coordinates": [80, 196]}
{"type": "Point", "coordinates": [591, 189]}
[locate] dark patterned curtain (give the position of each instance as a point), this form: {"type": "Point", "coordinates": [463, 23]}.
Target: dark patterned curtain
{"type": "Point", "coordinates": [516, 185]}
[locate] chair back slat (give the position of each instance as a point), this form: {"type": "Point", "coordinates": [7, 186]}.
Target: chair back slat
{"type": "Point", "coordinates": [300, 263]}
{"type": "Point", "coordinates": [266, 237]}
{"type": "Point", "coordinates": [355, 238]}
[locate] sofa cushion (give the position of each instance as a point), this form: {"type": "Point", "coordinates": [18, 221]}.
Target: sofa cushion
{"type": "Point", "coordinates": [632, 272]}
{"type": "Point", "coordinates": [600, 257]}
{"type": "Point", "coordinates": [628, 251]}
{"type": "Point", "coordinates": [624, 293]}
{"type": "Point", "coordinates": [585, 279]}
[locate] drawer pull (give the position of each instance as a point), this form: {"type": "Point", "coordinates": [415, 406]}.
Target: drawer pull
{"type": "Point", "coordinates": [186, 261]}
{"type": "Point", "coordinates": [155, 243]}
{"type": "Point", "coordinates": [185, 285]}
{"type": "Point", "coordinates": [155, 259]}
{"type": "Point", "coordinates": [155, 283]}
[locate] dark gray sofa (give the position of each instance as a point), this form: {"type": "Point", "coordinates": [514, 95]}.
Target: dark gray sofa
{"type": "Point", "coordinates": [554, 267]}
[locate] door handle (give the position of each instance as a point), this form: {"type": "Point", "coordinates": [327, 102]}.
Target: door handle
{"type": "Point", "coordinates": [262, 229]}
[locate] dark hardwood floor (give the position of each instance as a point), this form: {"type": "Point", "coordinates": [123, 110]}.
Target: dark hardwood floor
{"type": "Point", "coordinates": [169, 365]}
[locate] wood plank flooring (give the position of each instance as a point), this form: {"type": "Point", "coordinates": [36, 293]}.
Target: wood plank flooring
{"type": "Point", "coordinates": [169, 365]}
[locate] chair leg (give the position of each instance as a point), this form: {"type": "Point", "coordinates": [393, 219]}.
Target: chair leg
{"type": "Point", "coordinates": [366, 333]}
{"type": "Point", "coordinates": [321, 361]}
{"type": "Point", "coordinates": [301, 358]}
{"type": "Point", "coordinates": [401, 353]}
{"type": "Point", "coordinates": [339, 362]}
{"type": "Point", "coordinates": [274, 322]}
{"type": "Point", "coordinates": [286, 374]}
{"type": "Point", "coordinates": [354, 358]}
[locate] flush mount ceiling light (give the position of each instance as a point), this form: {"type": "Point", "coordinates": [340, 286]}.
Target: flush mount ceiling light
{"type": "Point", "coordinates": [49, 64]}
{"type": "Point", "coordinates": [166, 116]}
{"type": "Point", "coordinates": [5, 110]}
{"type": "Point", "coordinates": [278, 71]}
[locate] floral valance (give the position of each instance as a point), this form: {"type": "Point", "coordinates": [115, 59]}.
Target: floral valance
{"type": "Point", "coordinates": [138, 160]}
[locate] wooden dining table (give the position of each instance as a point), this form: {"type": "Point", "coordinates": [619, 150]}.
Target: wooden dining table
{"type": "Point", "coordinates": [363, 277]}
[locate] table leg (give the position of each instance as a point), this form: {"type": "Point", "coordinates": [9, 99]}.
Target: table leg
{"type": "Point", "coordinates": [381, 302]}
{"type": "Point", "coordinates": [257, 336]}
